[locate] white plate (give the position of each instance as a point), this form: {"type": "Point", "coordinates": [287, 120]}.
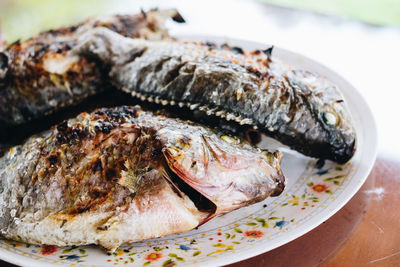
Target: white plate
{"type": "Point", "coordinates": [311, 197]}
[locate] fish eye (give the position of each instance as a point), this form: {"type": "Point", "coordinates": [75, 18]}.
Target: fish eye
{"type": "Point", "coordinates": [230, 140]}
{"type": "Point", "coordinates": [330, 118]}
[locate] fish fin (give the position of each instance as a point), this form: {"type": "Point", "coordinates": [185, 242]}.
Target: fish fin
{"type": "Point", "coordinates": [166, 13]}
{"type": "Point", "coordinates": [268, 51]}
{"type": "Point", "coordinates": [178, 18]}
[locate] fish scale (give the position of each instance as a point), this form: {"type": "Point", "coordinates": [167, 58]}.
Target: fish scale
{"type": "Point", "coordinates": [271, 96]}
{"type": "Point", "coordinates": [39, 77]}
{"type": "Point", "coordinates": [298, 108]}
{"type": "Point", "coordinates": [127, 175]}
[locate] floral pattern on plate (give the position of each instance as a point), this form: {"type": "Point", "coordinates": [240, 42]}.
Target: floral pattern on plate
{"type": "Point", "coordinates": [262, 222]}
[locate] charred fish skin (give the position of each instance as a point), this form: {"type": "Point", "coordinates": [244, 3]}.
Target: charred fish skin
{"type": "Point", "coordinates": [123, 174]}
{"type": "Point", "coordinates": [299, 108]}
{"type": "Point", "coordinates": [38, 76]}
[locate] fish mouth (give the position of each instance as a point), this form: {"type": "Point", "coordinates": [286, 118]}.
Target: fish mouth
{"type": "Point", "coordinates": [344, 153]}
{"type": "Point", "coordinates": [204, 206]}
{"type": "Point", "coordinates": [340, 147]}
{"type": "Point", "coordinates": [224, 181]}
{"type": "Point", "coordinates": [336, 151]}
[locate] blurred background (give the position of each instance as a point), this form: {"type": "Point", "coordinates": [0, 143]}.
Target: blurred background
{"type": "Point", "coordinates": [359, 39]}
{"type": "Point", "coordinates": [37, 15]}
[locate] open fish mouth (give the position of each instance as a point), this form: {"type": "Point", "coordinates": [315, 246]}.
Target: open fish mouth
{"type": "Point", "coordinates": [127, 175]}
{"type": "Point", "coordinates": [229, 179]}
{"type": "Point", "coordinates": [205, 207]}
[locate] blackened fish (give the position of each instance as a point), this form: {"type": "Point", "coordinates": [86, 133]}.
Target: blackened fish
{"type": "Point", "coordinates": [39, 76]}
{"type": "Point", "coordinates": [299, 108]}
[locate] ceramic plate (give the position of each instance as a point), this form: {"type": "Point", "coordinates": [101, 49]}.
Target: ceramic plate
{"type": "Point", "coordinates": [312, 196]}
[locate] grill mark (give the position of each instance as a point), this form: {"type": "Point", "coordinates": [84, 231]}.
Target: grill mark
{"type": "Point", "coordinates": [173, 74]}
{"type": "Point", "coordinates": [134, 55]}
{"type": "Point", "coordinates": [97, 166]}
{"type": "Point", "coordinates": [98, 192]}
{"type": "Point", "coordinates": [161, 63]}
{"type": "Point", "coordinates": [53, 160]}
{"type": "Point", "coordinates": [110, 174]}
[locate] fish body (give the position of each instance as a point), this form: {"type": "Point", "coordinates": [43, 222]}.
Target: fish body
{"type": "Point", "coordinates": [299, 108]}
{"type": "Point", "coordinates": [39, 76]}
{"type": "Point", "coordinates": [123, 174]}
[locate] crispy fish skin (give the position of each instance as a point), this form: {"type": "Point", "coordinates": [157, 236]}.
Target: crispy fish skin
{"type": "Point", "coordinates": [299, 108]}
{"type": "Point", "coordinates": [122, 174]}
{"type": "Point", "coordinates": [38, 76]}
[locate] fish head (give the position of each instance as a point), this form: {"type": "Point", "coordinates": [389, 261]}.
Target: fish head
{"type": "Point", "coordinates": [223, 169]}
{"type": "Point", "coordinates": [331, 126]}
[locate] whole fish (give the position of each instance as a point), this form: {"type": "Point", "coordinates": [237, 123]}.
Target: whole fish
{"type": "Point", "coordinates": [39, 76]}
{"type": "Point", "coordinates": [299, 108]}
{"type": "Point", "coordinates": [123, 174]}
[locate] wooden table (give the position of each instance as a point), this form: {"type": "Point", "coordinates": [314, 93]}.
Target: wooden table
{"type": "Point", "coordinates": [365, 232]}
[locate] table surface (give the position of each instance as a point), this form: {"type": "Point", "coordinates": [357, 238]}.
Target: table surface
{"type": "Point", "coordinates": [364, 232]}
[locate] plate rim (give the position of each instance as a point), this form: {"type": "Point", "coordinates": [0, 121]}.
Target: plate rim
{"type": "Point", "coordinates": [363, 173]}
{"type": "Point", "coordinates": [370, 137]}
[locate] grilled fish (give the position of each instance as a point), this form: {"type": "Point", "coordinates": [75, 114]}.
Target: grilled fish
{"type": "Point", "coordinates": [39, 76]}
{"type": "Point", "coordinates": [123, 174]}
{"type": "Point", "coordinates": [299, 108]}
